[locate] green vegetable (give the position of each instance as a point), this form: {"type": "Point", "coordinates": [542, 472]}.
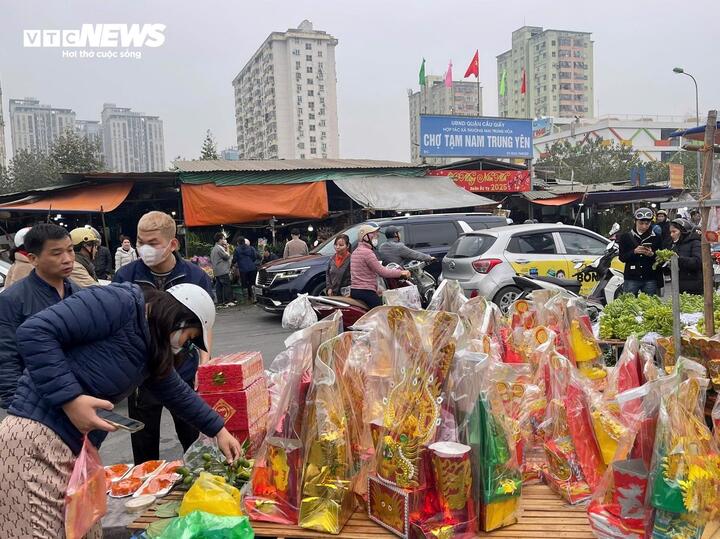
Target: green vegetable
{"type": "Point", "coordinates": [207, 457]}
{"type": "Point", "coordinates": [662, 256]}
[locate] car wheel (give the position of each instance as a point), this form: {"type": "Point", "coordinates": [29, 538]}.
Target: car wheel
{"type": "Point", "coordinates": [506, 297]}
{"type": "Point", "coordinates": [319, 290]}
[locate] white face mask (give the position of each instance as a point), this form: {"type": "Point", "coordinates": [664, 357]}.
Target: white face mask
{"type": "Point", "coordinates": [175, 340]}
{"type": "Point", "coordinates": [152, 256]}
{"type": "Point", "coordinates": [374, 242]}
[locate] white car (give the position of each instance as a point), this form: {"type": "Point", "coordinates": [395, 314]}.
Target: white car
{"type": "Point", "coordinates": [4, 268]}
{"type": "Point", "coordinates": [484, 262]}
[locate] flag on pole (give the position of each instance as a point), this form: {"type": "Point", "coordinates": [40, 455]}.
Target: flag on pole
{"type": "Point", "coordinates": [448, 76]}
{"type": "Point", "coordinates": [474, 67]}
{"type": "Point", "coordinates": [503, 83]}
{"type": "Point", "coordinates": [422, 73]}
{"type": "Point", "coordinates": [522, 83]}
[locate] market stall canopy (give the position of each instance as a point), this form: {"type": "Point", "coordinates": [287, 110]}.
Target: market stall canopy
{"type": "Point", "coordinates": [401, 193]}
{"type": "Point", "coordinates": [208, 204]}
{"type": "Point", "coordinates": [86, 198]}
{"type": "Point", "coordinates": [545, 198]}
{"type": "Point", "coordinates": [696, 133]}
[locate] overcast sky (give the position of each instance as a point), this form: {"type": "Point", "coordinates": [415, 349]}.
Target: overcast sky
{"type": "Point", "coordinates": [188, 80]}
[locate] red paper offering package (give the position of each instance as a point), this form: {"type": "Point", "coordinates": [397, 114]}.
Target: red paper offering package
{"type": "Point", "coordinates": [240, 408]}
{"type": "Point", "coordinates": [230, 373]}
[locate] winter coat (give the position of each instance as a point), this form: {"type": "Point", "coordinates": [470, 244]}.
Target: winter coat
{"type": "Point", "coordinates": [20, 269]}
{"type": "Point", "coordinates": [365, 267]}
{"type": "Point", "coordinates": [103, 263]}
{"type": "Point", "coordinates": [337, 278]}
{"type": "Point", "coordinates": [244, 258]}
{"type": "Point", "coordinates": [184, 272]}
{"type": "Point", "coordinates": [123, 257]}
{"type": "Point", "coordinates": [689, 263]}
{"type": "Point", "coordinates": [26, 298]}
{"type": "Point", "coordinates": [96, 343]}
{"type": "Point", "coordinates": [397, 252]}
{"type": "Point", "coordinates": [295, 247]}
{"type": "Point", "coordinates": [220, 260]}
{"type": "Point", "coordinates": [639, 267]}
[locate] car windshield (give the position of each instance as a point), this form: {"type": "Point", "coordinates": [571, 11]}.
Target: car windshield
{"type": "Point", "coordinates": [471, 246]}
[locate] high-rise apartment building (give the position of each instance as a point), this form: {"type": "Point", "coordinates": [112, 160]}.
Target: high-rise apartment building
{"type": "Point", "coordinates": [3, 151]}
{"type": "Point", "coordinates": [286, 97]}
{"type": "Point", "coordinates": [558, 68]}
{"type": "Point", "coordinates": [36, 127]}
{"type": "Point", "coordinates": [461, 99]}
{"type": "Point", "coordinates": [132, 141]}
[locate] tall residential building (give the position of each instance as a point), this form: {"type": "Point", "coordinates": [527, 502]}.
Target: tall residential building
{"type": "Point", "coordinates": [435, 98]}
{"type": "Point", "coordinates": [3, 152]}
{"type": "Point", "coordinates": [36, 127]}
{"type": "Point", "coordinates": [286, 97]}
{"type": "Point", "coordinates": [230, 154]}
{"type": "Point", "coordinates": [558, 66]}
{"type": "Point", "coordinates": [91, 130]}
{"type": "Point", "coordinates": [132, 141]}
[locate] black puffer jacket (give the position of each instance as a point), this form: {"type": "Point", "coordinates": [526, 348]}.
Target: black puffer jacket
{"type": "Point", "coordinates": [689, 263]}
{"type": "Point", "coordinates": [639, 267]}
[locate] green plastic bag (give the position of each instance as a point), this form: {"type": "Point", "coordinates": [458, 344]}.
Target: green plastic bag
{"type": "Point", "coordinates": [201, 525]}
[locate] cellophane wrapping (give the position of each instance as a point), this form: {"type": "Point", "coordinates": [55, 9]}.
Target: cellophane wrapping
{"type": "Point", "coordinates": [274, 490]}
{"type": "Point", "coordinates": [448, 297]}
{"type": "Point", "coordinates": [685, 470]}
{"type": "Point", "coordinates": [332, 433]}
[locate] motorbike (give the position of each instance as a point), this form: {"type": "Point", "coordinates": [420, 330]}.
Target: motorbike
{"type": "Point", "coordinates": [566, 286]}
{"type": "Point", "coordinates": [609, 280]}
{"type": "Point", "coordinates": [353, 309]}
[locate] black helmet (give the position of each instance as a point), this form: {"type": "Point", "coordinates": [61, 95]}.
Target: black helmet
{"type": "Point", "coordinates": [683, 225]}
{"type": "Point", "coordinates": [644, 214]}
{"type": "Point", "coordinates": [391, 232]}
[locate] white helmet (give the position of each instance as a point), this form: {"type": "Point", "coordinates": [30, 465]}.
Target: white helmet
{"type": "Point", "coordinates": [19, 239]}
{"type": "Point", "coordinates": [200, 303]}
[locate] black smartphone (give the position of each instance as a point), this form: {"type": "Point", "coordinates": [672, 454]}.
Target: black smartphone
{"type": "Point", "coordinates": [120, 421]}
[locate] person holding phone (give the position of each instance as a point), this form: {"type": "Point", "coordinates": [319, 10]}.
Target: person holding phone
{"type": "Point", "coordinates": [82, 355]}
{"type": "Point", "coordinates": [637, 250]}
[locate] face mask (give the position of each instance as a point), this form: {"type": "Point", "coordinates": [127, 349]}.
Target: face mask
{"type": "Point", "coordinates": [374, 242]}
{"type": "Point", "coordinates": [150, 255]}
{"type": "Point", "coordinates": [175, 340]}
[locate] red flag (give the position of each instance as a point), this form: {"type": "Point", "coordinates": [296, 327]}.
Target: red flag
{"type": "Point", "coordinates": [522, 84]}
{"type": "Point", "coordinates": [474, 67]}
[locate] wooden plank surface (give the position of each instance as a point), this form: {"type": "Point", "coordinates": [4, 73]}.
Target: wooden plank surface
{"type": "Point", "coordinates": [544, 516]}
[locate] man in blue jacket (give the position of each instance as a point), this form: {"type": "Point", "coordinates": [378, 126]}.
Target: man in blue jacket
{"type": "Point", "coordinates": [160, 267]}
{"type": "Point", "coordinates": [50, 251]}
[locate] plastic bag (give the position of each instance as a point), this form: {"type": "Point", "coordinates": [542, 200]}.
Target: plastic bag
{"type": "Point", "coordinates": [210, 493]}
{"type": "Point", "coordinates": [85, 497]}
{"type": "Point", "coordinates": [299, 313]}
{"type": "Point", "coordinates": [203, 525]}
{"type": "Point", "coordinates": [406, 296]}
{"type": "Point", "coordinates": [449, 297]}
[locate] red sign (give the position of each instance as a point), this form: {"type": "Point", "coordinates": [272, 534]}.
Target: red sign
{"type": "Point", "coordinates": [488, 181]}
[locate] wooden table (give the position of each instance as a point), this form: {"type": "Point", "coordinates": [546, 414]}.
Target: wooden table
{"type": "Point", "coordinates": [545, 515]}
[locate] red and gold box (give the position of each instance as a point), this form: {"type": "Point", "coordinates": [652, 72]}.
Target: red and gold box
{"type": "Point", "coordinates": [255, 433]}
{"type": "Point", "coordinates": [240, 408]}
{"type": "Point", "coordinates": [391, 506]}
{"type": "Point", "coordinates": [232, 372]}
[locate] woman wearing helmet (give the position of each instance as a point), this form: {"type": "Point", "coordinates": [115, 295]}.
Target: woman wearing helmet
{"type": "Point", "coordinates": [21, 266]}
{"type": "Point", "coordinates": [86, 241]}
{"type": "Point", "coordinates": [82, 355]}
{"type": "Point", "coordinates": [686, 244]}
{"type": "Point", "coordinates": [365, 268]}
{"type": "Point", "coordinates": [637, 250]}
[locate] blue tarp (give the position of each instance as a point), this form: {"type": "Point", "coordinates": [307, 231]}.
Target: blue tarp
{"type": "Point", "coordinates": [694, 132]}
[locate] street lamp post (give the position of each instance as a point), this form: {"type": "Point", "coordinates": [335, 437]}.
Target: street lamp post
{"type": "Point", "coordinates": [681, 71]}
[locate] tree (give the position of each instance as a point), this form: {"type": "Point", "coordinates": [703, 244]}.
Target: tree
{"type": "Point", "coordinates": [209, 148]}
{"type": "Point", "coordinates": [593, 161]}
{"type": "Point", "coordinates": [660, 172]}
{"type": "Point", "coordinates": [74, 153]}
{"type": "Point", "coordinates": [29, 170]}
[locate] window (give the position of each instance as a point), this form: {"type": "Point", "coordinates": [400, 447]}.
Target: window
{"type": "Point", "coordinates": [297, 65]}
{"type": "Point", "coordinates": [312, 127]}
{"type": "Point", "coordinates": [582, 244]}
{"type": "Point", "coordinates": [319, 54]}
{"type": "Point", "coordinates": [310, 93]}
{"type": "Point", "coordinates": [313, 151]}
{"type": "Point", "coordinates": [302, 156]}
{"type": "Point", "coordinates": [298, 77]}
{"type": "Point", "coordinates": [311, 116]}
{"type": "Point", "coordinates": [299, 100]}
{"type": "Point", "coordinates": [310, 81]}
{"type": "Point", "coordinates": [322, 123]}
{"type": "Point", "coordinates": [537, 244]}
{"type": "Point", "coordinates": [553, 54]}
{"type": "Point", "coordinates": [309, 69]}
{"type": "Point", "coordinates": [565, 41]}
{"type": "Point", "coordinates": [321, 88]}
{"type": "Point", "coordinates": [308, 58]}
{"type": "Point", "coordinates": [312, 139]}
{"type": "Point", "coordinates": [301, 145]}
{"type": "Point", "coordinates": [300, 123]}
{"type": "Point", "coordinates": [308, 46]}
{"type": "Point", "coordinates": [552, 43]}
{"type": "Point", "coordinates": [470, 246]}
{"type": "Point", "coordinates": [296, 52]}
{"type": "Point", "coordinates": [433, 234]}
{"type": "Point", "coordinates": [298, 88]}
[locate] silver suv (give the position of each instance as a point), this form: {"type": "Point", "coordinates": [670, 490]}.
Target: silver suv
{"type": "Point", "coordinates": [485, 261]}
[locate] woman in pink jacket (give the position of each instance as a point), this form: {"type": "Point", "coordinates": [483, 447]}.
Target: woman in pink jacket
{"type": "Point", "coordinates": [365, 268]}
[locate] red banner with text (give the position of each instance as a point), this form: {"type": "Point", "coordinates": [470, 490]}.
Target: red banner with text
{"type": "Point", "coordinates": [487, 181]}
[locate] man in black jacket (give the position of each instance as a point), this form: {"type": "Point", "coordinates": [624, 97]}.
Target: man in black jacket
{"type": "Point", "coordinates": [637, 251]}
{"type": "Point", "coordinates": [50, 251]}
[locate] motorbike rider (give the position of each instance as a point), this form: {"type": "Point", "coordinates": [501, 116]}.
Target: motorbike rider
{"type": "Point", "coordinates": [365, 268]}
{"type": "Point", "coordinates": [637, 250]}
{"type": "Point", "coordinates": [86, 242]}
{"type": "Point", "coordinates": [686, 244]}
{"type": "Point", "coordinates": [394, 251]}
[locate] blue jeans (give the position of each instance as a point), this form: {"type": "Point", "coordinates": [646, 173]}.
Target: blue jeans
{"type": "Point", "coordinates": [635, 287]}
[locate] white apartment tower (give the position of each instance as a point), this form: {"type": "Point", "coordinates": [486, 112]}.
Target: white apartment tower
{"type": "Point", "coordinates": [558, 67]}
{"type": "Point", "coordinates": [3, 151]}
{"type": "Point", "coordinates": [36, 127]}
{"type": "Point", "coordinates": [286, 97]}
{"type": "Point", "coordinates": [132, 141]}
{"type": "Point", "coordinates": [460, 99]}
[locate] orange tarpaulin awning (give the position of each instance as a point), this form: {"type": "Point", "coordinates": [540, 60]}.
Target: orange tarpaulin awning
{"type": "Point", "coordinates": [88, 198]}
{"type": "Point", "coordinates": [558, 200]}
{"type": "Point", "coordinates": [207, 204]}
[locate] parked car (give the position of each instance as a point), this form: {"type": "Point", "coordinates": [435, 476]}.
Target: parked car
{"type": "Point", "coordinates": [280, 281]}
{"type": "Point", "coordinates": [4, 268]}
{"type": "Point", "coordinates": [485, 261]}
